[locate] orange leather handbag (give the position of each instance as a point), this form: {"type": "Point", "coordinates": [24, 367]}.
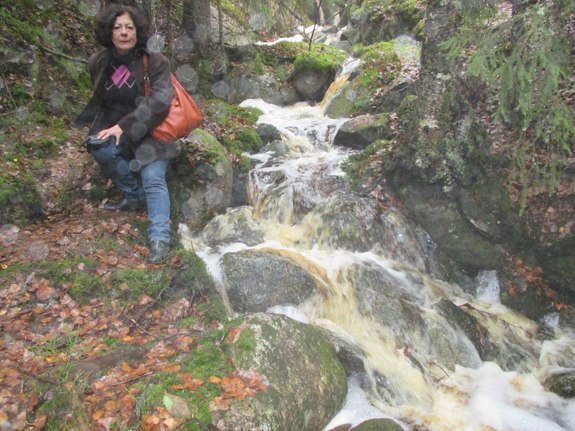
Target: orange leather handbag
{"type": "Point", "coordinates": [184, 115]}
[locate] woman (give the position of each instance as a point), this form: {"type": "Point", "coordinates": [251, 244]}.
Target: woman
{"type": "Point", "coordinates": [120, 114]}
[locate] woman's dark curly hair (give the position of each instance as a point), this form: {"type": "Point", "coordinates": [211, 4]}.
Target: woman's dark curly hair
{"type": "Point", "coordinates": [107, 18]}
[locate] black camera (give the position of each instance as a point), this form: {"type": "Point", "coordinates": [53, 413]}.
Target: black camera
{"type": "Point", "coordinates": [93, 141]}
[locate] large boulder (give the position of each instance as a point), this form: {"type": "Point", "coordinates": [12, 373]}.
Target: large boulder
{"type": "Point", "coordinates": [361, 131]}
{"type": "Point", "coordinates": [378, 425]}
{"type": "Point", "coordinates": [306, 384]}
{"type": "Point", "coordinates": [511, 353]}
{"type": "Point", "coordinates": [349, 222]}
{"type": "Point", "coordinates": [200, 191]}
{"type": "Point", "coordinates": [471, 225]}
{"type": "Point", "coordinates": [236, 225]}
{"type": "Point", "coordinates": [240, 86]}
{"type": "Point", "coordinates": [367, 26]}
{"type": "Point", "coordinates": [256, 280]}
{"type": "Point", "coordinates": [343, 102]}
{"type": "Point", "coordinates": [311, 84]}
{"type": "Point", "coordinates": [445, 173]}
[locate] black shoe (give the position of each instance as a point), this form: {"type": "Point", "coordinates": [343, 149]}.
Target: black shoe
{"type": "Point", "coordinates": [159, 251]}
{"type": "Point", "coordinates": [126, 205]}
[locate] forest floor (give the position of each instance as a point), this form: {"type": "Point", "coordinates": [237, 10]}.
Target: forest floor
{"type": "Point", "coordinates": [88, 326]}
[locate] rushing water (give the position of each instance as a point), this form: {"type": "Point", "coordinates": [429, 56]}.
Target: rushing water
{"type": "Point", "coordinates": [406, 362]}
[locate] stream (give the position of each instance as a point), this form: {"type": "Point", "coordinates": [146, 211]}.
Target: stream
{"type": "Point", "coordinates": [384, 296]}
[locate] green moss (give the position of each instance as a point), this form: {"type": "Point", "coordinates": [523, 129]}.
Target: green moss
{"type": "Point", "coordinates": [98, 192]}
{"type": "Point", "coordinates": [194, 268]}
{"type": "Point", "coordinates": [228, 115]}
{"type": "Point", "coordinates": [419, 30]}
{"type": "Point", "coordinates": [240, 135]}
{"type": "Point", "coordinates": [245, 140]}
{"type": "Point", "coordinates": [45, 148]}
{"type": "Point", "coordinates": [384, 51]}
{"type": "Point", "coordinates": [64, 408]}
{"type": "Point", "coordinates": [59, 343]}
{"type": "Point", "coordinates": [246, 342]}
{"type": "Point", "coordinates": [280, 54]}
{"type": "Point", "coordinates": [313, 62]}
{"type": "Point", "coordinates": [193, 276]}
{"type": "Point", "coordinates": [138, 281]}
{"type": "Point", "coordinates": [244, 164]}
{"type": "Point", "coordinates": [409, 12]}
{"type": "Point", "coordinates": [140, 226]}
{"type": "Point", "coordinates": [19, 197]}
{"type": "Point", "coordinates": [379, 69]}
{"type": "Point", "coordinates": [111, 342]}
{"type": "Point", "coordinates": [258, 66]}
{"type": "Point", "coordinates": [205, 361]}
{"type": "Point", "coordinates": [213, 310]}
{"type": "Point", "coordinates": [83, 285]}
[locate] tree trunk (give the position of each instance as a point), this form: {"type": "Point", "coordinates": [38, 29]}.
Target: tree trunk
{"type": "Point", "coordinates": [520, 6]}
{"type": "Point", "coordinates": [146, 7]}
{"type": "Point", "coordinates": [197, 23]}
{"type": "Point", "coordinates": [436, 84]}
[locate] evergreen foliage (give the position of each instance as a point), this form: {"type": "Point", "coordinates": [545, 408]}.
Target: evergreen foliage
{"type": "Point", "coordinates": [267, 17]}
{"type": "Point", "coordinates": [527, 57]}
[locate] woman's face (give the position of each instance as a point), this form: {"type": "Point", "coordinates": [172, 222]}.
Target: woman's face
{"type": "Point", "coordinates": [124, 35]}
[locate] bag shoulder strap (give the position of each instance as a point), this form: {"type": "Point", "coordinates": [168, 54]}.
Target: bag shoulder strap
{"type": "Point", "coordinates": [146, 76]}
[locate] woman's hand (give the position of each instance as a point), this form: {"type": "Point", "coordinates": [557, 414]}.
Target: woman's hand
{"type": "Point", "coordinates": [115, 131]}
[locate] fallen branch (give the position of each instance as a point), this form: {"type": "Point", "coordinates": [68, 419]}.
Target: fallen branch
{"type": "Point", "coordinates": [60, 54]}
{"type": "Point", "coordinates": [143, 329]}
{"type": "Point", "coordinates": [38, 378]}
{"type": "Point", "coordinates": [123, 382]}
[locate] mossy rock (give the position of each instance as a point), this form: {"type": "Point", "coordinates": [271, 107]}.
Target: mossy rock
{"type": "Point", "coordinates": [562, 384]}
{"type": "Point", "coordinates": [306, 384]}
{"type": "Point", "coordinates": [378, 425]}
{"type": "Point", "coordinates": [559, 270]}
{"type": "Point", "coordinates": [20, 200]}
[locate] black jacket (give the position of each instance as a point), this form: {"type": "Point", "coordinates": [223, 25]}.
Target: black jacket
{"type": "Point", "coordinates": [147, 112]}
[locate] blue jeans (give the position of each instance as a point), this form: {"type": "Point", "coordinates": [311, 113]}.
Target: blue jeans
{"type": "Point", "coordinates": [150, 184]}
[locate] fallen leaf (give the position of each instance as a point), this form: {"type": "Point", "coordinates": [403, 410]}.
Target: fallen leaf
{"type": "Point", "coordinates": [177, 407]}
{"type": "Point", "coordinates": [220, 404]}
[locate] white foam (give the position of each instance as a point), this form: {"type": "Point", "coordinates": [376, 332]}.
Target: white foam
{"type": "Point", "coordinates": [505, 401]}
{"type": "Point", "coordinates": [290, 311]}
{"type": "Point", "coordinates": [357, 408]}
{"type": "Point", "coordinates": [488, 287]}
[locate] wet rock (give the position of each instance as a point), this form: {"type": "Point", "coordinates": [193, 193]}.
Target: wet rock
{"type": "Point", "coordinates": [311, 85]}
{"type": "Point", "coordinates": [199, 192]}
{"type": "Point", "coordinates": [341, 104]}
{"type": "Point", "coordinates": [236, 225]}
{"type": "Point", "coordinates": [562, 384]}
{"type": "Point", "coordinates": [361, 131]}
{"type": "Point", "coordinates": [441, 216]}
{"type": "Point", "coordinates": [511, 353]}
{"type": "Point", "coordinates": [401, 310]}
{"type": "Point", "coordinates": [378, 425]}
{"type": "Point", "coordinates": [354, 223]}
{"type": "Point", "coordinates": [268, 133]}
{"type": "Point", "coordinates": [8, 234]}
{"type": "Point", "coordinates": [241, 86]}
{"type": "Point", "coordinates": [256, 280]}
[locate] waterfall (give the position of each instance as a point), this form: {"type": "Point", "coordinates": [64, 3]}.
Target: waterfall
{"type": "Point", "coordinates": [421, 367]}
